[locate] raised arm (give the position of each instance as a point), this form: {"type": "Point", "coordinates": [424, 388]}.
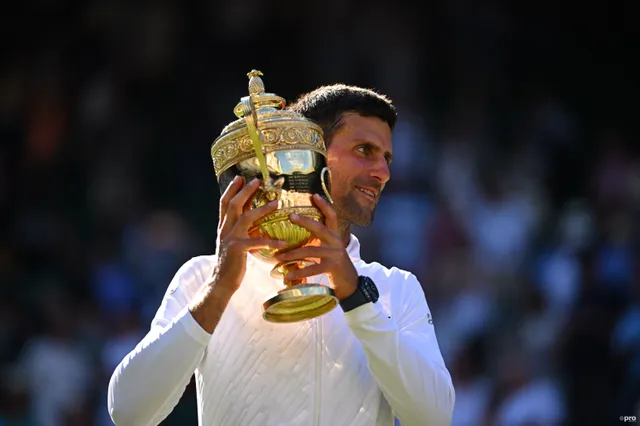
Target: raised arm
{"type": "Point", "coordinates": [148, 383]}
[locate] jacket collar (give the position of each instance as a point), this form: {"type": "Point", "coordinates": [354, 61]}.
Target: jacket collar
{"type": "Point", "coordinates": [353, 248]}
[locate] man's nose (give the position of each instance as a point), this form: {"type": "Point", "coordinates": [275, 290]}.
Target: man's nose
{"type": "Point", "coordinates": [381, 171]}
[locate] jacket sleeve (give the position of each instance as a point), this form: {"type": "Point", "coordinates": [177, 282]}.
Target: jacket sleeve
{"type": "Point", "coordinates": [150, 380]}
{"type": "Point", "coordinates": [404, 357]}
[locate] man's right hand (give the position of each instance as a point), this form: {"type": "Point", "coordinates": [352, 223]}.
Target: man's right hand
{"type": "Point", "coordinates": [233, 241]}
{"type": "Point", "coordinates": [232, 245]}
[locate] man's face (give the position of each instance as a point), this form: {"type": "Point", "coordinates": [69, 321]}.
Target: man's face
{"type": "Point", "coordinates": [359, 156]}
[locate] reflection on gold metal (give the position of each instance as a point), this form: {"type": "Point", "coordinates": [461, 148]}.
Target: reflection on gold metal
{"type": "Point", "coordinates": [279, 129]}
{"type": "Point", "coordinates": [284, 162]}
{"type": "Point", "coordinates": [287, 152]}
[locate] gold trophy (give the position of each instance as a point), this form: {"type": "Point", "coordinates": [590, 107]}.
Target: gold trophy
{"type": "Point", "coordinates": [287, 152]}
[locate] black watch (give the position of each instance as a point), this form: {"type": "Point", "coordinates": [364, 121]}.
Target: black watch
{"type": "Point", "coordinates": [365, 292]}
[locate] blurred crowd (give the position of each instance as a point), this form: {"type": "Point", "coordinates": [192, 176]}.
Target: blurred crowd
{"type": "Point", "coordinates": [514, 188]}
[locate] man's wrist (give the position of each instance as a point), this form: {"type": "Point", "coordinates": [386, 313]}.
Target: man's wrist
{"type": "Point", "coordinates": [209, 304]}
{"type": "Point", "coordinates": [221, 285]}
{"type": "Point", "coordinates": [365, 292]}
{"type": "Point", "coordinates": [347, 291]}
{"type": "Point", "coordinates": [221, 291]}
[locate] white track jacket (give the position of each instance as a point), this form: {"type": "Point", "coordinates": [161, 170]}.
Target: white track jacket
{"type": "Point", "coordinates": [362, 368]}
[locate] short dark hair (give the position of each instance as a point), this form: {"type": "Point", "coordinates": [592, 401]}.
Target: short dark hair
{"type": "Point", "coordinates": [327, 105]}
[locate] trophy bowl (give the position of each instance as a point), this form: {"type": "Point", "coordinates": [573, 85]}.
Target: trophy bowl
{"type": "Point", "coordinates": [286, 151]}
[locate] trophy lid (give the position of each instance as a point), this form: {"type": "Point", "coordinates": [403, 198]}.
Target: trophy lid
{"type": "Point", "coordinates": [277, 127]}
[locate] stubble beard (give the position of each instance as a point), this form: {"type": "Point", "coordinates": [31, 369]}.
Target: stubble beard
{"type": "Point", "coordinates": [351, 213]}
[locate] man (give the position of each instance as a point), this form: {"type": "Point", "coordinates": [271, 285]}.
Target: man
{"type": "Point", "coordinates": [361, 364]}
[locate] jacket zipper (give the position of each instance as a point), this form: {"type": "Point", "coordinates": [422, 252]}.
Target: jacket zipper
{"type": "Point", "coordinates": [318, 372]}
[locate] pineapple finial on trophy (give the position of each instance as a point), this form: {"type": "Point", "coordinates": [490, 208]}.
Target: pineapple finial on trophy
{"type": "Point", "coordinates": [256, 85]}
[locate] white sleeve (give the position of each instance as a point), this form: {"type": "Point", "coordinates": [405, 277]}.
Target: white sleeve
{"type": "Point", "coordinates": [404, 357]}
{"type": "Point", "coordinates": [150, 380]}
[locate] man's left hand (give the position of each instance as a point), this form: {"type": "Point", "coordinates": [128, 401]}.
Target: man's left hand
{"type": "Point", "coordinates": [334, 259]}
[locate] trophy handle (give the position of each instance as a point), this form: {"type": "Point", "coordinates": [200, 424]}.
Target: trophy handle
{"type": "Point", "coordinates": [251, 119]}
{"type": "Point", "coordinates": [324, 185]}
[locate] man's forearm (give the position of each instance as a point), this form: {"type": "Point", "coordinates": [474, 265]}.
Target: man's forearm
{"type": "Point", "coordinates": [150, 380]}
{"type": "Point", "coordinates": [208, 306]}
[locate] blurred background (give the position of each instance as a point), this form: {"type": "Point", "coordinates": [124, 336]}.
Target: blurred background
{"type": "Point", "coordinates": [514, 196]}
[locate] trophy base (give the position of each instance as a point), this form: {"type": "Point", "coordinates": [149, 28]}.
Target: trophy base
{"type": "Point", "coordinates": [299, 303]}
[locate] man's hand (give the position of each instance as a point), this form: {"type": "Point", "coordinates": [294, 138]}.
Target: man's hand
{"type": "Point", "coordinates": [232, 247]}
{"type": "Point", "coordinates": [234, 241]}
{"type": "Point", "coordinates": [334, 260]}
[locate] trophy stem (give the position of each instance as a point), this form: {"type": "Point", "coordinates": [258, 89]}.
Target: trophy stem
{"type": "Point", "coordinates": [282, 269]}
{"type": "Point", "coordinates": [299, 300]}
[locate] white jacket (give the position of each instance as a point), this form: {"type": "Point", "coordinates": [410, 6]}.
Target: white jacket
{"type": "Point", "coordinates": [358, 369]}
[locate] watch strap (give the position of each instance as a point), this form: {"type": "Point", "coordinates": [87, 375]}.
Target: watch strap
{"type": "Point", "coordinates": [360, 297]}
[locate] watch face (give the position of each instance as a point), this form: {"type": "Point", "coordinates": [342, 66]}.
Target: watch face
{"type": "Point", "coordinates": [369, 289]}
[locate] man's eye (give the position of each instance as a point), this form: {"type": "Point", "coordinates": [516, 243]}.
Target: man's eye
{"type": "Point", "coordinates": [363, 149]}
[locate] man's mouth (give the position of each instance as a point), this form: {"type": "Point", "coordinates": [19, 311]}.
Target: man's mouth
{"type": "Point", "coordinates": [370, 193]}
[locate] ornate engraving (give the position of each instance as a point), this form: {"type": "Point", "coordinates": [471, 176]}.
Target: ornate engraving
{"type": "Point", "coordinates": [238, 147]}
{"type": "Point", "coordinates": [283, 215]}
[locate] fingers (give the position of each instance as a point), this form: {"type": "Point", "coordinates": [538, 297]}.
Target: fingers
{"type": "Point", "coordinates": [253, 215]}
{"type": "Point", "coordinates": [330, 215]}
{"type": "Point", "coordinates": [307, 272]}
{"type": "Point", "coordinates": [243, 245]}
{"type": "Point", "coordinates": [258, 243]}
{"type": "Point", "coordinates": [237, 203]}
{"type": "Point", "coordinates": [309, 252]}
{"type": "Point", "coordinates": [227, 196]}
{"type": "Point", "coordinates": [317, 229]}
